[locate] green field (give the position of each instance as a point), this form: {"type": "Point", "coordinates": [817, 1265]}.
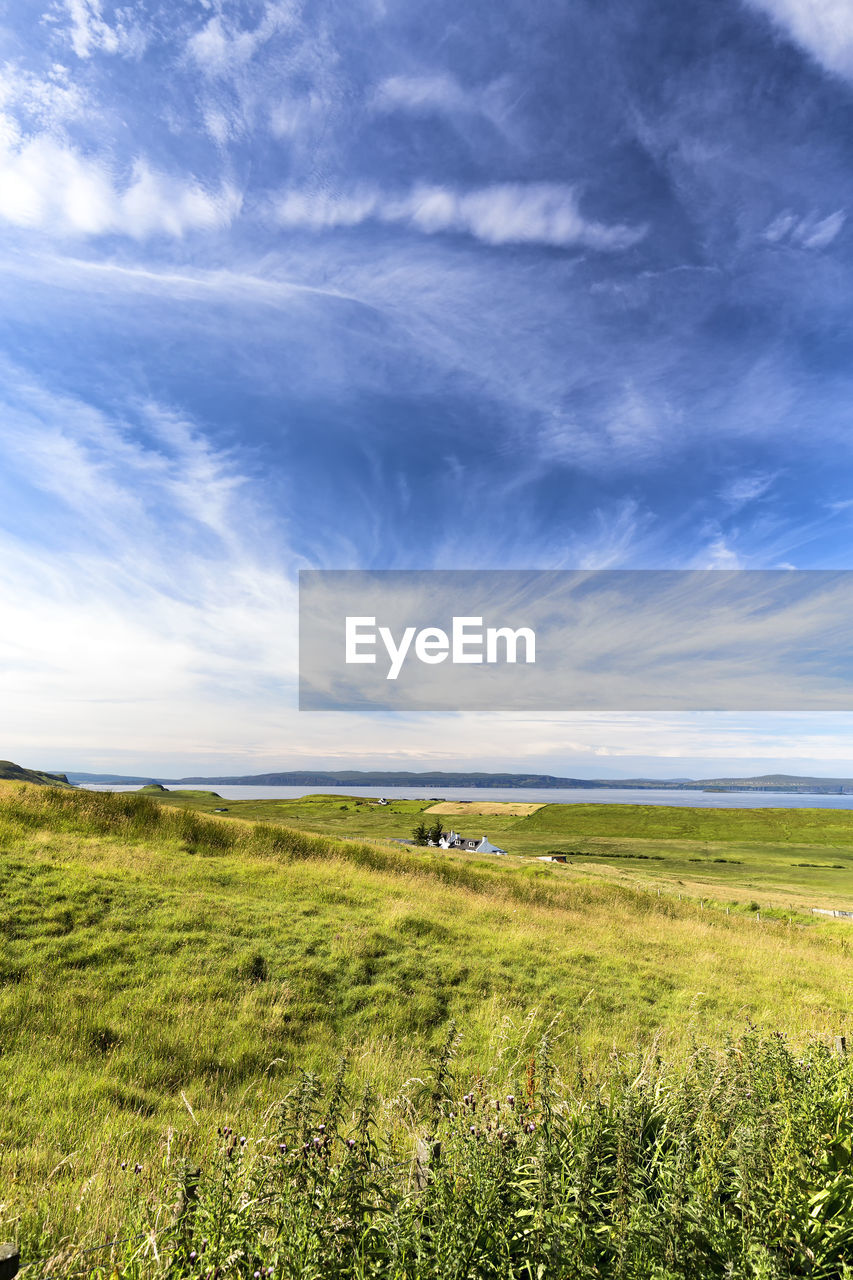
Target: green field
{"type": "Point", "coordinates": [788, 859]}
{"type": "Point", "coordinates": [163, 973]}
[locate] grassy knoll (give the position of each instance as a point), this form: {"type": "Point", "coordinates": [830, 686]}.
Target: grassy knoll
{"type": "Point", "coordinates": [790, 859]}
{"type": "Point", "coordinates": [162, 972]}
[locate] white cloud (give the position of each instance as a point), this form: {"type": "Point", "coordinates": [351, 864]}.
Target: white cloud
{"type": "Point", "coordinates": [810, 232]}
{"type": "Point", "coordinates": [221, 48]}
{"type": "Point", "coordinates": [505, 213]}
{"type": "Point", "coordinates": [49, 101]}
{"type": "Point", "coordinates": [745, 489]}
{"type": "Point", "coordinates": [90, 32]}
{"type": "Point", "coordinates": [159, 596]}
{"type": "Point", "coordinates": [823, 27]}
{"type": "Point", "coordinates": [424, 94]}
{"type": "Point", "coordinates": [49, 186]}
{"type": "Point", "coordinates": [719, 555]}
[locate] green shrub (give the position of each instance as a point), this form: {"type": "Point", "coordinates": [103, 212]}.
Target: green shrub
{"type": "Point", "coordinates": [737, 1163]}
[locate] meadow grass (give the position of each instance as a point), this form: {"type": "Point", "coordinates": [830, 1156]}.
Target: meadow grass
{"type": "Point", "coordinates": [163, 974]}
{"type": "Point", "coordinates": [785, 858]}
{"type": "Point", "coordinates": [734, 1163]}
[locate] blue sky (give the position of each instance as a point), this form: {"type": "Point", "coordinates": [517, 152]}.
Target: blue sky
{"type": "Point", "coordinates": [384, 285]}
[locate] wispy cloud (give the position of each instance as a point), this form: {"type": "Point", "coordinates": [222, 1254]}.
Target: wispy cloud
{"type": "Point", "coordinates": [51, 186]}
{"type": "Point", "coordinates": [810, 232]}
{"type": "Point", "coordinates": [505, 213]}
{"type": "Point", "coordinates": [157, 559]}
{"type": "Point", "coordinates": [742, 490]}
{"type": "Point", "coordinates": [443, 94]}
{"type": "Point", "coordinates": [823, 27]}
{"type": "Point", "coordinates": [425, 94]}
{"type": "Point", "coordinates": [49, 101]}
{"type": "Point", "coordinates": [90, 33]}
{"type": "Point", "coordinates": [223, 46]}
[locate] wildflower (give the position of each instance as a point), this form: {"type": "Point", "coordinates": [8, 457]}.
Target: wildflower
{"type": "Point", "coordinates": [242, 1142]}
{"type": "Point", "coordinates": [511, 1099]}
{"type": "Point", "coordinates": [193, 1256]}
{"type": "Point", "coordinates": [124, 1164]}
{"type": "Point", "coordinates": [321, 1128]}
{"type": "Point", "coordinates": [350, 1143]}
{"type": "Point", "coordinates": [257, 1275]}
{"type": "Point", "coordinates": [472, 1129]}
{"type": "Point", "coordinates": [282, 1147]}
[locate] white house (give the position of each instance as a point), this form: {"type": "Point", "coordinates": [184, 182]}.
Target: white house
{"type": "Point", "coordinates": [452, 840]}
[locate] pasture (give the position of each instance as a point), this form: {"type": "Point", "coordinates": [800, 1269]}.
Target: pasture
{"type": "Point", "coordinates": [164, 973]}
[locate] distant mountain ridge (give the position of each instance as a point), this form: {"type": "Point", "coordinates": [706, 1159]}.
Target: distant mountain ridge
{"type": "Point", "coordinates": [782, 782]}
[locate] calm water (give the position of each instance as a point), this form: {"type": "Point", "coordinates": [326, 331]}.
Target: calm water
{"type": "Point", "coordinates": [604, 795]}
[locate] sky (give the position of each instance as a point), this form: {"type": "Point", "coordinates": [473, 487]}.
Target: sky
{"type": "Point", "coordinates": [373, 284]}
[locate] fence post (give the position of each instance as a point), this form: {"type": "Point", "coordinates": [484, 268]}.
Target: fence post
{"type": "Point", "coordinates": [187, 1198]}
{"type": "Point", "coordinates": [10, 1260]}
{"type": "Point", "coordinates": [841, 1045]}
{"type": "Point", "coordinates": [427, 1157]}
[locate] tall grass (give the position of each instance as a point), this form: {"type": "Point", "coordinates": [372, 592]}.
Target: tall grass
{"type": "Point", "coordinates": [736, 1163]}
{"type": "Point", "coordinates": [163, 973]}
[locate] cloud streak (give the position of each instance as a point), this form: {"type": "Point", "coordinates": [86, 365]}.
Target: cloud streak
{"type": "Point", "coordinates": [540, 213]}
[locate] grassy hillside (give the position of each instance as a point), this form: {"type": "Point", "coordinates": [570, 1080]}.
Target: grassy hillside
{"type": "Point", "coordinates": [161, 973]}
{"type": "Point", "coordinates": [787, 859]}
{"type": "Point", "coordinates": [10, 772]}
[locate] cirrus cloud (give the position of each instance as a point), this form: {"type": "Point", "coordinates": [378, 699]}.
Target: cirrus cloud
{"type": "Point", "coordinates": [544, 213]}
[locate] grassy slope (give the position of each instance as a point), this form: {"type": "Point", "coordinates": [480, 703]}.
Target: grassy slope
{"type": "Point", "coordinates": [150, 953]}
{"type": "Point", "coordinates": [10, 772]}
{"type": "Point", "coordinates": [792, 859]}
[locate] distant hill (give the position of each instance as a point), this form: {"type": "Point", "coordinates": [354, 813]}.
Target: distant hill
{"type": "Point", "coordinates": [114, 779]}
{"type": "Point", "coordinates": [10, 772]}
{"type": "Point", "coordinates": [385, 778]}
{"type": "Point", "coordinates": [436, 781]}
